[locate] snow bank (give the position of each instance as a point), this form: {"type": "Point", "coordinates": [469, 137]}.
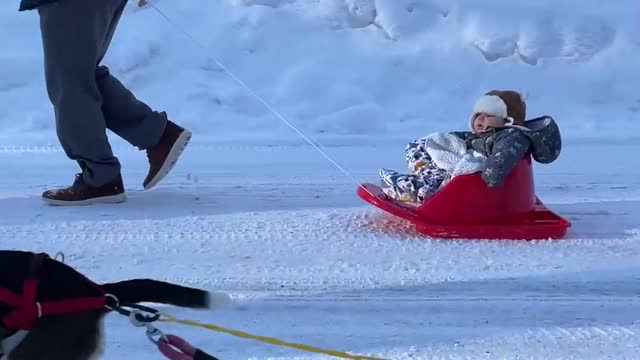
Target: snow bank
{"type": "Point", "coordinates": [351, 69]}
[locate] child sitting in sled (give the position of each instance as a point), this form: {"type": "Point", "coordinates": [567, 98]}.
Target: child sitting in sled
{"type": "Point", "coordinates": [498, 140]}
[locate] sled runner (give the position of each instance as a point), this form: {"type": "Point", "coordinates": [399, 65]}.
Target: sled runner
{"type": "Point", "coordinates": [467, 208]}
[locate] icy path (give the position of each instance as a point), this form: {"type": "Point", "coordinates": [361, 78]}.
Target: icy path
{"type": "Point", "coordinates": [283, 232]}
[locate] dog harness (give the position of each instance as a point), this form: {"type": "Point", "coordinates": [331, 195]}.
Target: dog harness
{"type": "Point", "coordinates": [26, 308]}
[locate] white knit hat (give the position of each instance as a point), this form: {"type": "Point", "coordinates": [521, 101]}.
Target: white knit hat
{"type": "Point", "coordinates": [506, 104]}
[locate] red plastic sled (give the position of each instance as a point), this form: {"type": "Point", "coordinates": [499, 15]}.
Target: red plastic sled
{"type": "Point", "coordinates": [467, 208]}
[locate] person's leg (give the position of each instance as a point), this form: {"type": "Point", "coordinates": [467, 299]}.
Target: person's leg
{"type": "Point", "coordinates": [403, 187]}
{"type": "Point", "coordinates": [137, 123]}
{"type": "Point", "coordinates": [430, 185]}
{"type": "Point", "coordinates": [124, 114]}
{"type": "Point", "coordinates": [432, 178]}
{"type": "Point", "coordinates": [73, 35]}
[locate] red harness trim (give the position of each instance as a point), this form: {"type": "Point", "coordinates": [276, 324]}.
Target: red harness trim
{"type": "Point", "coordinates": [28, 310]}
{"type": "Point", "coordinates": [9, 297]}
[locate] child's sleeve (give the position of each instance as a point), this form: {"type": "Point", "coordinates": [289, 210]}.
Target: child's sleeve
{"type": "Point", "coordinates": [507, 150]}
{"type": "Point", "coordinates": [416, 154]}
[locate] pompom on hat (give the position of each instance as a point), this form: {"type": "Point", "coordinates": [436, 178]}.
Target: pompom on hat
{"type": "Point", "coordinates": [506, 104]}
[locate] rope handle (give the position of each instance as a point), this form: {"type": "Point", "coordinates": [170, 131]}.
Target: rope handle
{"type": "Point", "coordinates": [176, 348]}
{"type": "Point", "coordinates": [169, 345]}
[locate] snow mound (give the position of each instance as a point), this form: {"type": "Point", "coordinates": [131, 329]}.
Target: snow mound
{"type": "Point", "coordinates": [388, 69]}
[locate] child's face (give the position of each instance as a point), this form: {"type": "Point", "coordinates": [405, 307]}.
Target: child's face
{"type": "Point", "coordinates": [483, 122]}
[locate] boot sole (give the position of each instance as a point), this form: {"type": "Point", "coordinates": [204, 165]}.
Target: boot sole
{"type": "Point", "coordinates": [111, 199]}
{"type": "Point", "coordinates": [172, 158]}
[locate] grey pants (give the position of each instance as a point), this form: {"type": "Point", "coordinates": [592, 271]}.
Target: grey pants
{"type": "Point", "coordinates": [86, 98]}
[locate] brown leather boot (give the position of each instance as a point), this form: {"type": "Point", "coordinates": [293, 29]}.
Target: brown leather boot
{"type": "Point", "coordinates": [163, 156]}
{"type": "Point", "coordinates": [81, 193]}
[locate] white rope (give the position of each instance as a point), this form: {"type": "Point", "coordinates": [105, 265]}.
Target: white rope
{"type": "Point", "coordinates": [269, 107]}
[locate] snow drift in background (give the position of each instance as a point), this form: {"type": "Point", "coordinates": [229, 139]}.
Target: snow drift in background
{"type": "Point", "coordinates": [350, 69]}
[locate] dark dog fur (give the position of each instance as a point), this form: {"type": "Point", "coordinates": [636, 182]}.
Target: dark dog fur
{"type": "Point", "coordinates": [79, 336]}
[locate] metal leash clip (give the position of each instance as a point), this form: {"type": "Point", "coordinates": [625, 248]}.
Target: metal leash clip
{"type": "Point", "coordinates": [139, 319]}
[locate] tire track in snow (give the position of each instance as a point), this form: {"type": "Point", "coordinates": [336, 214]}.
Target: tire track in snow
{"type": "Point", "coordinates": [586, 342]}
{"type": "Point", "coordinates": [557, 335]}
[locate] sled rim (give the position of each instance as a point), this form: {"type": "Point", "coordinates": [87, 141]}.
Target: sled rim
{"type": "Point", "coordinates": [539, 224]}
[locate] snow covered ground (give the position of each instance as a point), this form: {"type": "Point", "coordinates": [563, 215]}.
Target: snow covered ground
{"type": "Point", "coordinates": [305, 260]}
{"type": "Point", "coordinates": [253, 211]}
